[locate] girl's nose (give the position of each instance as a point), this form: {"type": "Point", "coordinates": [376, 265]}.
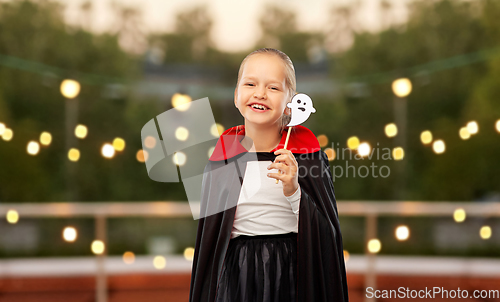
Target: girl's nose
{"type": "Point", "coordinates": [260, 93]}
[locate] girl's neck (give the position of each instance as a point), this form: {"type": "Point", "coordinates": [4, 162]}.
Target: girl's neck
{"type": "Point", "coordinates": [264, 139]}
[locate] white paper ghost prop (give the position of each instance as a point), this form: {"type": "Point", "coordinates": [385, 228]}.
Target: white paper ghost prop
{"type": "Point", "coordinates": [302, 107]}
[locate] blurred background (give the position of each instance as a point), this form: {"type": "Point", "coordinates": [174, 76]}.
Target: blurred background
{"type": "Point", "coordinates": [410, 87]}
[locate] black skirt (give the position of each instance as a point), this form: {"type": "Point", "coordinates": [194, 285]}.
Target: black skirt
{"type": "Point", "coordinates": [259, 268]}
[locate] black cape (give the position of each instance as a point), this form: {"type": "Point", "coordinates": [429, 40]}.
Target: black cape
{"type": "Point", "coordinates": [321, 269]}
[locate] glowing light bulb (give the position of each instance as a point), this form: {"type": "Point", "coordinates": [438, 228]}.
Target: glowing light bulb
{"type": "Point", "coordinates": [108, 151]}
{"type": "Point", "coordinates": [402, 233]}
{"type": "Point", "coordinates": [401, 87]}
{"type": "Point", "coordinates": [374, 246]}
{"type": "Point", "coordinates": [70, 89]}
{"type": "Point", "coordinates": [70, 234]}
{"type": "Point", "coordinates": [353, 142]}
{"type": "Point", "coordinates": [119, 144]}
{"type": "Point", "coordinates": [189, 253]}
{"type": "Point", "coordinates": [426, 137]}
{"type": "Point", "coordinates": [45, 138]}
{"type": "Point", "coordinates": [97, 247]}
{"type": "Point", "coordinates": [459, 215]}
{"type": "Point", "coordinates": [159, 262]}
{"type": "Point", "coordinates": [391, 130]}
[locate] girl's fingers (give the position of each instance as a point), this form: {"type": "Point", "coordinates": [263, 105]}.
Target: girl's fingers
{"type": "Point", "coordinates": [281, 167]}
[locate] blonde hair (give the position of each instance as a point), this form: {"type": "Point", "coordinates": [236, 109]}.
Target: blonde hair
{"type": "Point", "coordinates": [290, 79]}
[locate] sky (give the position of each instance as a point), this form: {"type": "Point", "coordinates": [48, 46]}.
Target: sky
{"type": "Point", "coordinates": [236, 22]}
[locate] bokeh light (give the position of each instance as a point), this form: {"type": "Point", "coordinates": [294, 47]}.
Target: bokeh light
{"type": "Point", "coordinates": [70, 234]}
{"type": "Point", "coordinates": [45, 138]}
{"type": "Point", "coordinates": [189, 253]}
{"type": "Point", "coordinates": [485, 232]}
{"type": "Point", "coordinates": [374, 246]}
{"type": "Point", "coordinates": [141, 156]}
{"type": "Point", "coordinates": [70, 88]}
{"type": "Point", "coordinates": [322, 140]}
{"type": "Point", "coordinates": [401, 87]}
{"type": "Point", "coordinates": [108, 151]}
{"type": "Point", "coordinates": [181, 133]}
{"type": "Point", "coordinates": [33, 148]}
{"type": "Point", "coordinates": [330, 153]}
{"type": "Point", "coordinates": [73, 154]}
{"type": "Point", "coordinates": [438, 146]}
{"type": "Point", "coordinates": [216, 130]}
{"type": "Point", "coordinates": [159, 262]}
{"type": "Point", "coordinates": [426, 137]}
{"type": "Point", "coordinates": [402, 233]}
{"type": "Point", "coordinates": [119, 144]}
{"type": "Point", "coordinates": [81, 131]}
{"type": "Point", "coordinates": [150, 142]}
{"type": "Point", "coordinates": [497, 126]}
{"type": "Point", "coordinates": [346, 256]}
{"type": "Point", "coordinates": [12, 216]}
{"type": "Point", "coordinates": [398, 153]}
{"type": "Point", "coordinates": [128, 258]}
{"type": "Point", "coordinates": [210, 151]}
{"type": "Point", "coordinates": [472, 127]}
{"type": "Point", "coordinates": [459, 215]}
{"type": "Point", "coordinates": [364, 149]}
{"type": "Point", "coordinates": [179, 158]}
{"type": "Point", "coordinates": [464, 133]}
{"type": "Point", "coordinates": [181, 102]}
{"type": "Point", "coordinates": [391, 130]}
{"type": "Point", "coordinates": [97, 247]}
{"type": "Point", "coordinates": [2, 128]}
{"type": "Point", "coordinates": [8, 134]}
{"type": "Point", "coordinates": [353, 142]}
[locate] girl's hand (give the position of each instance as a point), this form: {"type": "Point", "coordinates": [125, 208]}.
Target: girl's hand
{"type": "Point", "coordinates": [286, 164]}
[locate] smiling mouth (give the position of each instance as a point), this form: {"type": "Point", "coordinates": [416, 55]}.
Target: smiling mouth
{"type": "Point", "coordinates": [258, 107]}
{"type": "Point", "coordinates": [302, 108]}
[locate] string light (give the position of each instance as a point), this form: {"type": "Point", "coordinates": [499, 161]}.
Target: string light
{"type": "Point", "coordinates": [2, 128]}
{"type": "Point", "coordinates": [181, 102]}
{"type": "Point", "coordinates": [374, 246]}
{"type": "Point", "coordinates": [70, 234]}
{"type": "Point", "coordinates": [45, 138]}
{"type": "Point", "coordinates": [74, 154]}
{"type": "Point", "coordinates": [33, 148]}
{"type": "Point", "coordinates": [8, 134]}
{"type": "Point", "coordinates": [210, 151]}
{"type": "Point", "coordinates": [97, 247]}
{"type": "Point", "coordinates": [402, 233]}
{"type": "Point", "coordinates": [438, 146]}
{"type": "Point", "coordinates": [81, 131]}
{"type": "Point", "coordinates": [108, 151]}
{"type": "Point", "coordinates": [330, 153]}
{"type": "Point", "coordinates": [472, 127]}
{"type": "Point", "coordinates": [189, 253]}
{"type": "Point", "coordinates": [181, 133]}
{"type": "Point", "coordinates": [70, 88]}
{"type": "Point", "coordinates": [346, 256]}
{"type": "Point", "coordinates": [128, 257]}
{"type": "Point", "coordinates": [485, 232]}
{"type": "Point", "coordinates": [391, 130]}
{"type": "Point", "coordinates": [398, 153]}
{"type": "Point", "coordinates": [464, 133]}
{"type": "Point", "coordinates": [459, 215]}
{"type": "Point", "coordinates": [119, 144]}
{"type": "Point", "coordinates": [353, 142]}
{"type": "Point", "coordinates": [322, 140]}
{"type": "Point", "coordinates": [141, 156]}
{"type": "Point", "coordinates": [12, 216]}
{"type": "Point", "coordinates": [150, 142]}
{"type": "Point", "coordinates": [179, 158]}
{"type": "Point", "coordinates": [364, 149]}
{"type": "Point", "coordinates": [426, 137]}
{"type": "Point", "coordinates": [216, 130]}
{"type": "Point", "coordinates": [401, 87]}
{"type": "Point", "coordinates": [159, 262]}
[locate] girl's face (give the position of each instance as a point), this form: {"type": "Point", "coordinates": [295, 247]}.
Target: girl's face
{"type": "Point", "coordinates": [262, 83]}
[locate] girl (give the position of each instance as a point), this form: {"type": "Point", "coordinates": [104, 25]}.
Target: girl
{"type": "Point", "coordinates": [282, 243]}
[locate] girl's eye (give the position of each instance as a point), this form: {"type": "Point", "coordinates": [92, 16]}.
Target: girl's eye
{"type": "Point", "coordinates": [274, 88]}
{"type": "Point", "coordinates": [249, 84]}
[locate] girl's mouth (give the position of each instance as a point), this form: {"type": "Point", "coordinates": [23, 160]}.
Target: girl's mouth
{"type": "Point", "coordinates": [258, 108]}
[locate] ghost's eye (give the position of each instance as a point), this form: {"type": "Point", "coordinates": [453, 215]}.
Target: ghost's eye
{"type": "Point", "coordinates": [298, 101]}
{"type": "Point", "coordinates": [304, 104]}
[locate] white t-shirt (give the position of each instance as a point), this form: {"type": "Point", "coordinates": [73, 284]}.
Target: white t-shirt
{"type": "Point", "coordinates": [262, 208]}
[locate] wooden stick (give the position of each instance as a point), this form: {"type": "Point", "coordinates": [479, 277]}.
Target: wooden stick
{"type": "Point", "coordinates": [286, 143]}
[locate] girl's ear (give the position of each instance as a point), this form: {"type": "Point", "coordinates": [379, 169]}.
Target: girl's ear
{"type": "Point", "coordinates": [235, 100]}
{"type": "Point", "coordinates": [287, 111]}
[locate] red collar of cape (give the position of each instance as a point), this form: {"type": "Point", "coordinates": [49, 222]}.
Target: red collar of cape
{"type": "Point", "coordinates": [301, 141]}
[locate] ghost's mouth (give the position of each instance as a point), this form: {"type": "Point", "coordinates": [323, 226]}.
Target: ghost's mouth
{"type": "Point", "coordinates": [302, 108]}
